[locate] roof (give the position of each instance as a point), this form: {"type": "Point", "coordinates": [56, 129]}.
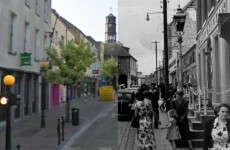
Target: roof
{"type": "Point", "coordinates": [117, 50]}
{"type": "Point", "coordinates": [67, 23]}
{"type": "Point", "coordinates": [110, 15]}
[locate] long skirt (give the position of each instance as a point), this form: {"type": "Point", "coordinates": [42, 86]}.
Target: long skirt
{"type": "Point", "coordinates": [145, 136]}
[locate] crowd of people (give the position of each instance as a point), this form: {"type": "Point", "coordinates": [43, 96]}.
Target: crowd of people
{"type": "Point", "coordinates": [147, 110]}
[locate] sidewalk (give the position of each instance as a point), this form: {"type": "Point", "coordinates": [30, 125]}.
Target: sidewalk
{"type": "Point", "coordinates": [160, 135]}
{"type": "Point", "coordinates": [161, 142]}
{"type": "Point", "coordinates": [30, 136]}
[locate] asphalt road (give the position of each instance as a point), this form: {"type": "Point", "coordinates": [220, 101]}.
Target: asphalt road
{"type": "Point", "coordinates": [101, 132]}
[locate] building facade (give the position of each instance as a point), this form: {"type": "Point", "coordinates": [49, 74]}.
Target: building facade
{"type": "Point", "coordinates": [65, 31]}
{"type": "Point", "coordinates": [189, 39]}
{"type": "Point", "coordinates": [213, 49]}
{"type": "Point", "coordinates": [60, 33]}
{"type": "Point", "coordinates": [25, 25]}
{"type": "Point", "coordinates": [127, 64]}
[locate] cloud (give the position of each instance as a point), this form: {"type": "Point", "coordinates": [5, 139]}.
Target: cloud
{"type": "Point", "coordinates": [138, 34]}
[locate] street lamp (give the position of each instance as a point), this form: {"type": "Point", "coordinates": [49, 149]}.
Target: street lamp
{"type": "Point", "coordinates": [147, 16]}
{"type": "Point", "coordinates": [8, 80]}
{"type": "Point", "coordinates": [166, 67]}
{"type": "Point", "coordinates": [43, 98]}
{"type": "Point", "coordinates": [44, 65]}
{"type": "Point", "coordinates": [147, 19]}
{"type": "Point", "coordinates": [179, 19]}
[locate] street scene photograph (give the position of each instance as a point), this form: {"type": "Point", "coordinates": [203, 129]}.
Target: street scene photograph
{"type": "Point", "coordinates": [114, 75]}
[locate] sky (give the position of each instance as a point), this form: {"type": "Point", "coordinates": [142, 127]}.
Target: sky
{"type": "Point", "coordinates": [138, 34]}
{"type": "Point", "coordinates": [87, 15]}
{"type": "Point", "coordinates": [132, 28]}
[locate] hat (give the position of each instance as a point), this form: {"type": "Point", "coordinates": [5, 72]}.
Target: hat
{"type": "Point", "coordinates": [139, 96]}
{"type": "Point", "coordinates": [153, 84]}
{"type": "Point", "coordinates": [180, 93]}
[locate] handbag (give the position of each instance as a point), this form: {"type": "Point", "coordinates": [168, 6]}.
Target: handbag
{"type": "Point", "coordinates": [135, 122]}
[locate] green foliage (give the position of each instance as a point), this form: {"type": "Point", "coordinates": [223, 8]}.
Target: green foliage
{"type": "Point", "coordinates": [71, 63]}
{"type": "Point", "coordinates": [110, 68]}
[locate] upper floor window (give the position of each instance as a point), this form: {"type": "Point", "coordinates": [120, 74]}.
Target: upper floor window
{"type": "Point", "coordinates": [46, 12]}
{"type": "Point", "coordinates": [56, 37]}
{"type": "Point", "coordinates": [27, 37]}
{"type": "Point", "coordinates": [62, 39]}
{"type": "Point", "coordinates": [37, 43]}
{"type": "Point", "coordinates": [13, 33]}
{"type": "Point", "coordinates": [28, 3]}
{"type": "Point", "coordinates": [37, 7]}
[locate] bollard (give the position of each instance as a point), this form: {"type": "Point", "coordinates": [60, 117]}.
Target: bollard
{"type": "Point", "coordinates": [63, 127]}
{"type": "Point", "coordinates": [85, 93]}
{"type": "Point", "coordinates": [59, 132]}
{"type": "Point", "coordinates": [18, 147]}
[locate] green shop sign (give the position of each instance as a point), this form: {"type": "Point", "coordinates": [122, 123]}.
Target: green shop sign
{"type": "Point", "coordinates": [25, 59]}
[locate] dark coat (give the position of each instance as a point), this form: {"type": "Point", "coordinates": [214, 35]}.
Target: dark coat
{"type": "Point", "coordinates": [208, 143]}
{"type": "Point", "coordinates": [155, 99]}
{"type": "Point", "coordinates": [182, 111]}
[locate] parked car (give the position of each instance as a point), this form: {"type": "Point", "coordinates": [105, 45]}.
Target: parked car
{"type": "Point", "coordinates": [135, 86]}
{"type": "Point", "coordinates": [126, 100]}
{"type": "Point", "coordinates": [121, 86]}
{"type": "Point", "coordinates": [132, 89]}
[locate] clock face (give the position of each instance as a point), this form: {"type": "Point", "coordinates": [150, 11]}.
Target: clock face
{"type": "Point", "coordinates": [110, 25]}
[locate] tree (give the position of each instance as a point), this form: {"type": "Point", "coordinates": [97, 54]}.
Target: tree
{"type": "Point", "coordinates": [69, 65]}
{"type": "Point", "coordinates": [110, 69]}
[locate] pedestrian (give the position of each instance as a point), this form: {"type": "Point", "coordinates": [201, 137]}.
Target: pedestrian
{"type": "Point", "coordinates": [162, 90]}
{"type": "Point", "coordinates": [173, 131]}
{"type": "Point", "coordinates": [181, 106]}
{"type": "Point", "coordinates": [217, 130]}
{"type": "Point", "coordinates": [155, 105]}
{"type": "Point", "coordinates": [143, 110]}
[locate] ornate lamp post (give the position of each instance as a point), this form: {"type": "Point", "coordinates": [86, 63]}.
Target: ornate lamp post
{"type": "Point", "coordinates": [8, 80]}
{"type": "Point", "coordinates": [179, 19]}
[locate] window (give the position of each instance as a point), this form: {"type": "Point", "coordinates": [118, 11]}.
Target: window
{"type": "Point", "coordinates": [45, 45]}
{"type": "Point", "coordinates": [28, 2]}
{"type": "Point", "coordinates": [46, 12]}
{"type": "Point", "coordinates": [45, 42]}
{"type": "Point", "coordinates": [37, 42]}
{"type": "Point", "coordinates": [27, 37]}
{"type": "Point", "coordinates": [56, 37]}
{"type": "Point", "coordinates": [62, 39]}
{"type": "Point", "coordinates": [13, 33]}
{"type": "Point", "coordinates": [37, 7]}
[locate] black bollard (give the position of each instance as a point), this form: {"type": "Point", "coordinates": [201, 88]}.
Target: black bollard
{"type": "Point", "coordinates": [59, 132]}
{"type": "Point", "coordinates": [63, 127]}
{"type": "Point", "coordinates": [18, 147]}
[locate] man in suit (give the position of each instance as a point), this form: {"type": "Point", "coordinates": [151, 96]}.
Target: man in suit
{"type": "Point", "coordinates": [155, 105]}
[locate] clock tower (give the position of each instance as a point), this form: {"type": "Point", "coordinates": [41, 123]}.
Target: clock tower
{"type": "Point", "coordinates": [110, 29]}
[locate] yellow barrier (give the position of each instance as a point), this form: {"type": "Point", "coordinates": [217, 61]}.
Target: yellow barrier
{"type": "Point", "coordinates": [106, 93]}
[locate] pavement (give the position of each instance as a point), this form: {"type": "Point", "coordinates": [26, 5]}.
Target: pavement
{"type": "Point", "coordinates": [28, 129]}
{"type": "Point", "coordinates": [29, 135]}
{"type": "Point", "coordinates": [160, 135]}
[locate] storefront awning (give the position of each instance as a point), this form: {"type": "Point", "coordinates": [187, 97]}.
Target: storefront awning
{"type": "Point", "coordinates": [224, 22]}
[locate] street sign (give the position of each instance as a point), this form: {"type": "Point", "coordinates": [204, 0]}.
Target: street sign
{"type": "Point", "coordinates": [95, 71]}
{"type": "Point", "coordinates": [25, 59]}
